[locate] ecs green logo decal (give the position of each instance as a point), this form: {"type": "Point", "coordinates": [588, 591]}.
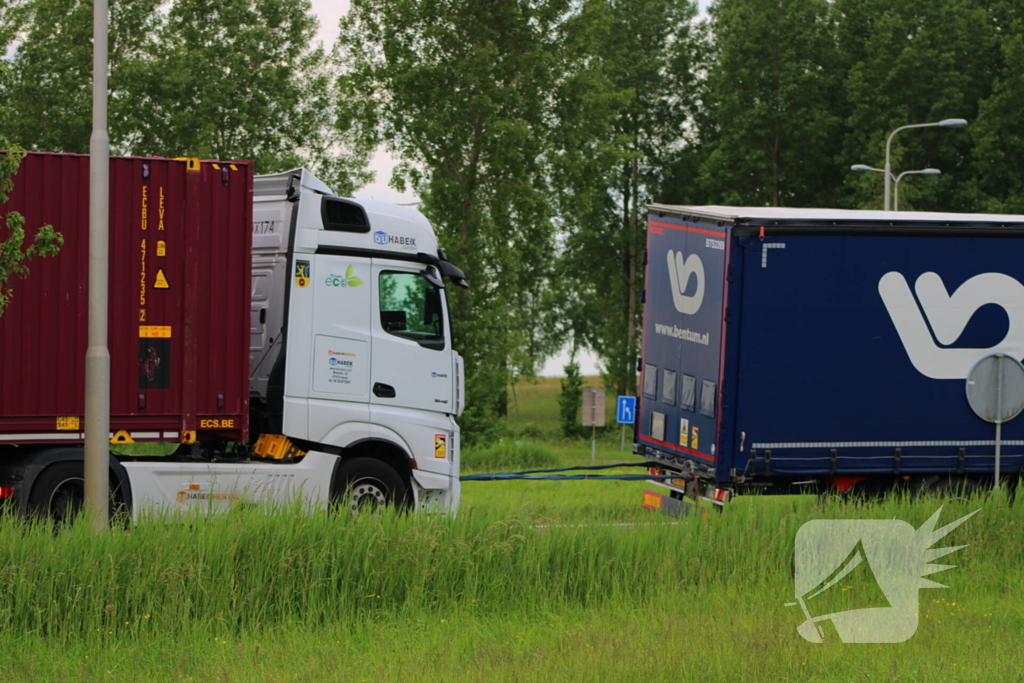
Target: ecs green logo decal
{"type": "Point", "coordinates": [347, 280]}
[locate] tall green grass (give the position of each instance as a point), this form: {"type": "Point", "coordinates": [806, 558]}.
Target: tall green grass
{"type": "Point", "coordinates": [249, 568]}
{"type": "Point", "coordinates": [508, 455]}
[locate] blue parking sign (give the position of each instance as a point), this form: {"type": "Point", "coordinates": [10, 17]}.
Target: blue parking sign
{"type": "Point", "coordinates": [625, 411]}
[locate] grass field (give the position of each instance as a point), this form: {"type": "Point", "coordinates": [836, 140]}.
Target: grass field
{"type": "Point", "coordinates": [532, 581]}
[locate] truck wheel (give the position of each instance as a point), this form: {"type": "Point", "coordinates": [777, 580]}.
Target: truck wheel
{"type": "Point", "coordinates": [368, 484]}
{"type": "Point", "coordinates": [59, 492]}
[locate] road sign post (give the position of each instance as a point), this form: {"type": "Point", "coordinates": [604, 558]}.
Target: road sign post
{"type": "Point", "coordinates": [995, 392]}
{"type": "Point", "coordinates": [625, 413]}
{"type": "Point", "coordinates": [593, 416]}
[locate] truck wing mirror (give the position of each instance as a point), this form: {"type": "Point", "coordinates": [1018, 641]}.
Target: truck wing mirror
{"type": "Point", "coordinates": [431, 278]}
{"type": "Point", "coordinates": [454, 274]}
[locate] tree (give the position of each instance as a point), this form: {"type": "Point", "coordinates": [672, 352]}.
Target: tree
{"type": "Point", "coordinates": [231, 79]}
{"type": "Point", "coordinates": [909, 62]}
{"type": "Point", "coordinates": [460, 90]}
{"type": "Point", "coordinates": [234, 79]}
{"type": "Point", "coordinates": [771, 116]}
{"type": "Point", "coordinates": [998, 135]}
{"type": "Point", "coordinates": [570, 400]}
{"type": "Point", "coordinates": [50, 91]}
{"type": "Point", "coordinates": [625, 104]}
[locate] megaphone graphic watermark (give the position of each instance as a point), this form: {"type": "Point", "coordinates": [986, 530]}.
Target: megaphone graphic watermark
{"type": "Point", "coordinates": [885, 560]}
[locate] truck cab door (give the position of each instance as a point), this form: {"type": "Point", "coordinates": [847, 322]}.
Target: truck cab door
{"type": "Point", "coordinates": [412, 363]}
{"type": "Point", "coordinates": [339, 348]}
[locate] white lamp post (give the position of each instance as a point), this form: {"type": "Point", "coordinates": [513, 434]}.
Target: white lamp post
{"type": "Point", "coordinates": [945, 123]}
{"type": "Point", "coordinates": [97, 356]}
{"type": "Point", "coordinates": [896, 184]}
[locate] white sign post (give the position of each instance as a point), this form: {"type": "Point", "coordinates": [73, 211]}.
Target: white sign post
{"type": "Point", "coordinates": [995, 392]}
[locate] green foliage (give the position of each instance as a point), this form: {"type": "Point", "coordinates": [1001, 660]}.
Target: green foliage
{"type": "Point", "coordinates": [507, 456]}
{"type": "Point", "coordinates": [906, 62]}
{"type": "Point", "coordinates": [459, 90]}
{"type": "Point", "coordinates": [624, 107]}
{"type": "Point", "coordinates": [232, 79]}
{"type": "Point", "coordinates": [771, 113]}
{"type": "Point", "coordinates": [50, 94]}
{"type": "Point", "coordinates": [570, 400]}
{"type": "Point", "coordinates": [13, 252]}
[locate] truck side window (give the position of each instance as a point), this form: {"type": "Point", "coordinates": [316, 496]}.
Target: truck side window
{"type": "Point", "coordinates": [410, 307]}
{"type": "Point", "coordinates": [668, 387]}
{"type": "Point", "coordinates": [650, 381]}
{"type": "Point", "coordinates": [707, 398]}
{"type": "Point", "coordinates": [688, 398]}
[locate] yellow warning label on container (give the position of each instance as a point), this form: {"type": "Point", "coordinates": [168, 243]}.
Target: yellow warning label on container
{"type": "Point", "coordinates": [69, 423]}
{"type": "Point", "coordinates": [161, 248]}
{"type": "Point", "coordinates": [161, 280]}
{"type": "Point", "coordinates": [154, 331]}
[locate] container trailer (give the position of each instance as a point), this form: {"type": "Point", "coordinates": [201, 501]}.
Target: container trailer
{"type": "Point", "coordinates": [793, 350]}
{"type": "Point", "coordinates": [277, 340]}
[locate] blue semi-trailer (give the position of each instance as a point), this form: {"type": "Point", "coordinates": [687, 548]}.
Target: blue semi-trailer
{"type": "Point", "coordinates": [790, 350]}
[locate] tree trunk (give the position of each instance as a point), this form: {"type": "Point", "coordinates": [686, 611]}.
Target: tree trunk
{"type": "Point", "coordinates": [633, 280]}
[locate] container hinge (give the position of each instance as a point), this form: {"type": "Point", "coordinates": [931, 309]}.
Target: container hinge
{"type": "Point", "coordinates": [768, 463]}
{"type": "Point", "coordinates": [832, 457]}
{"type": "Point", "coordinates": [899, 454]}
{"type": "Point", "coordinates": [960, 461]}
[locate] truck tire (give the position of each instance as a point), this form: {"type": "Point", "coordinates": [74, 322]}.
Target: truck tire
{"type": "Point", "coordinates": [366, 484]}
{"type": "Point", "coordinates": [58, 493]}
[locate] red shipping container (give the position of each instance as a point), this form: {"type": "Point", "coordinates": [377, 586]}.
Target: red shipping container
{"type": "Point", "coordinates": [180, 278]}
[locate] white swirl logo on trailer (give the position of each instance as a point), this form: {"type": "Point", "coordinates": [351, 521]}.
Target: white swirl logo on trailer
{"type": "Point", "coordinates": [679, 271]}
{"type": "Point", "coordinates": [948, 315]}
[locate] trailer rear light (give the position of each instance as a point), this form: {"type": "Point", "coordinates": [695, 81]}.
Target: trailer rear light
{"type": "Point", "coordinates": [6, 492]}
{"type": "Point", "coordinates": [721, 495]}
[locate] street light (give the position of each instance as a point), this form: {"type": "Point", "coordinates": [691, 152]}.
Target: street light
{"type": "Point", "coordinates": [896, 185]}
{"type": "Point", "coordinates": [924, 171]}
{"type": "Point", "coordinates": [944, 123]}
{"type": "Point", "coordinates": [896, 182]}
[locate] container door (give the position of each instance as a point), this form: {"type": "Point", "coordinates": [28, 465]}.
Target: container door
{"type": "Point", "coordinates": [412, 358]}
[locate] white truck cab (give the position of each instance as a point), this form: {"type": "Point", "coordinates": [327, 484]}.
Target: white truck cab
{"type": "Point", "coordinates": [351, 342]}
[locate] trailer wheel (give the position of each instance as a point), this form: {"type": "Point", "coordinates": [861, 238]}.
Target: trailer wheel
{"type": "Point", "coordinates": [59, 493]}
{"type": "Point", "coordinates": [366, 484]}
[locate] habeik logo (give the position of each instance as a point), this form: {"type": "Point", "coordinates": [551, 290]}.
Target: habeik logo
{"type": "Point", "coordinates": [948, 315]}
{"type": "Point", "coordinates": [679, 271]}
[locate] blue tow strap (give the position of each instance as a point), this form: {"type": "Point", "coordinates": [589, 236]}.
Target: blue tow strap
{"type": "Point", "coordinates": [546, 475]}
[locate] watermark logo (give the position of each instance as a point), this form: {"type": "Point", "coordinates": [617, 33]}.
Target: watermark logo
{"type": "Point", "coordinates": [947, 317]}
{"type": "Point", "coordinates": [680, 270]}
{"type": "Point", "coordinates": [858, 579]}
